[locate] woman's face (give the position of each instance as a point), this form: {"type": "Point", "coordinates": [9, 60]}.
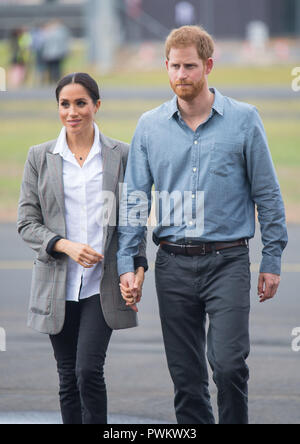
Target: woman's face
{"type": "Point", "coordinates": [76, 108]}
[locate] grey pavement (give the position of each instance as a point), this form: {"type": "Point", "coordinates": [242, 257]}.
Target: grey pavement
{"type": "Point", "coordinates": [55, 418]}
{"type": "Point", "coordinates": [138, 382]}
{"type": "Point", "coordinates": [158, 93]}
{"type": "Point", "coordinates": [127, 115]}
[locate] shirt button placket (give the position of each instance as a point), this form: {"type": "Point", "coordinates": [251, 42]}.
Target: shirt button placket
{"type": "Point", "coordinates": [194, 183]}
{"type": "Point", "coordinates": [83, 215]}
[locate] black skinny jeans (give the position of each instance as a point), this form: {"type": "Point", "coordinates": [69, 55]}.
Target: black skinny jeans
{"type": "Point", "coordinates": [80, 351]}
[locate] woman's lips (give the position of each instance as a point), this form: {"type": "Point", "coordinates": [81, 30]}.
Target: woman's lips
{"type": "Point", "coordinates": [73, 122]}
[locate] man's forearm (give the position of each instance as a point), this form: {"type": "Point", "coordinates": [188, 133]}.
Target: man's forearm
{"type": "Point", "coordinates": [129, 242]}
{"type": "Point", "coordinates": [274, 237]}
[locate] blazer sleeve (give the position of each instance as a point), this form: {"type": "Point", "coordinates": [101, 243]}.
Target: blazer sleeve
{"type": "Point", "coordinates": [141, 259]}
{"type": "Point", "coordinates": [30, 224]}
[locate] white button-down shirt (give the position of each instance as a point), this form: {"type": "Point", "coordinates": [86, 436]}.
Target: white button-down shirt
{"type": "Point", "coordinates": [83, 209]}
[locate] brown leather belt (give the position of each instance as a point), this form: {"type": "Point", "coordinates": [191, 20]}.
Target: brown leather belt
{"type": "Point", "coordinates": [200, 249]}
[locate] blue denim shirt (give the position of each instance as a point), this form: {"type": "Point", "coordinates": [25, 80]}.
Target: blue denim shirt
{"type": "Point", "coordinates": [224, 168]}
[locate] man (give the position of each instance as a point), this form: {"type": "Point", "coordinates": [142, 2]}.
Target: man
{"type": "Point", "coordinates": [214, 150]}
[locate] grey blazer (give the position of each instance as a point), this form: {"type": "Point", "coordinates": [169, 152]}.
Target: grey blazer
{"type": "Point", "coordinates": [41, 216]}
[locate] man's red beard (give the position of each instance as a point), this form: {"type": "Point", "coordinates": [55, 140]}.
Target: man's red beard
{"type": "Point", "coordinates": [188, 92]}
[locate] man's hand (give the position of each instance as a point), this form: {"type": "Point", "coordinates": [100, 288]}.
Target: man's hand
{"type": "Point", "coordinates": [138, 282]}
{"type": "Point", "coordinates": [131, 287]}
{"type": "Point", "coordinates": [267, 286]}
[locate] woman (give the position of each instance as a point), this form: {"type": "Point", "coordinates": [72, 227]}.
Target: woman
{"type": "Point", "coordinates": [75, 295]}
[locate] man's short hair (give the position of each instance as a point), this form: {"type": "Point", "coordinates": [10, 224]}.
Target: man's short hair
{"type": "Point", "coordinates": [191, 36]}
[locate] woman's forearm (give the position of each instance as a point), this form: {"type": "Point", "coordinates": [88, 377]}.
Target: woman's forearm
{"type": "Point", "coordinates": [61, 246]}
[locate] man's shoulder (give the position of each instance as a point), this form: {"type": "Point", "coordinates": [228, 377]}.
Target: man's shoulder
{"type": "Point", "coordinates": [160, 112]}
{"type": "Point", "coordinates": [238, 105]}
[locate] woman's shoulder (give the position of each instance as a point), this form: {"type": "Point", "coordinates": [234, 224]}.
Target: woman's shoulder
{"type": "Point", "coordinates": [44, 147]}
{"type": "Point", "coordinates": [124, 148]}
{"type": "Point", "coordinates": [113, 143]}
{"type": "Point", "coordinates": [37, 153]}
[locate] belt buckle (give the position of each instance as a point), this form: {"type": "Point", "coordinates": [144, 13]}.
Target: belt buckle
{"type": "Point", "coordinates": [184, 250]}
{"type": "Point", "coordinates": [203, 251]}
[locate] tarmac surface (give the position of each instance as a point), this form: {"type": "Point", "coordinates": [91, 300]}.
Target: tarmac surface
{"type": "Point", "coordinates": [140, 390]}
{"type": "Point", "coordinates": [159, 93]}
{"type": "Point", "coordinates": [55, 418]}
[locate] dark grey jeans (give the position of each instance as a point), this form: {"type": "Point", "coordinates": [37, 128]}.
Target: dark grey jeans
{"type": "Point", "coordinates": [189, 289]}
{"type": "Point", "coordinates": [80, 351]}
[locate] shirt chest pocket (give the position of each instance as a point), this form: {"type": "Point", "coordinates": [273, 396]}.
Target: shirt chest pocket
{"type": "Point", "coordinates": [227, 158]}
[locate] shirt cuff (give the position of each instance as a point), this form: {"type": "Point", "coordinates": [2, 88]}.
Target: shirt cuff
{"type": "Point", "coordinates": [140, 261]}
{"type": "Point", "coordinates": [125, 265]}
{"type": "Point", "coordinates": [50, 247]}
{"type": "Point", "coordinates": [270, 264]}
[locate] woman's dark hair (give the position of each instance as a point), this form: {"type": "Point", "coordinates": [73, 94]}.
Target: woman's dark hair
{"type": "Point", "coordinates": [83, 79]}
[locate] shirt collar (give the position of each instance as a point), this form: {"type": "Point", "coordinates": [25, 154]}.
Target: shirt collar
{"type": "Point", "coordinates": [218, 104]}
{"type": "Point", "coordinates": [173, 107]}
{"type": "Point", "coordinates": [62, 148]}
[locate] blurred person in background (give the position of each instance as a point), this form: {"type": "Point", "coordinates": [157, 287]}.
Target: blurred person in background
{"type": "Point", "coordinates": [133, 10]}
{"type": "Point", "coordinates": [55, 48]}
{"type": "Point", "coordinates": [185, 13]}
{"type": "Point", "coordinates": [20, 43]}
{"type": "Point", "coordinates": [37, 45]}
{"type": "Point", "coordinates": [75, 294]}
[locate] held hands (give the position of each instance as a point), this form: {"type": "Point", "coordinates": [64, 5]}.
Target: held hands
{"type": "Point", "coordinates": [267, 286]}
{"type": "Point", "coordinates": [131, 287]}
{"type": "Point", "coordinates": [81, 253]}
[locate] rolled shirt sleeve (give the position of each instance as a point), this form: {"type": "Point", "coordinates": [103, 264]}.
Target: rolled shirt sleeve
{"type": "Point", "coordinates": [135, 204]}
{"type": "Point", "coordinates": [265, 192]}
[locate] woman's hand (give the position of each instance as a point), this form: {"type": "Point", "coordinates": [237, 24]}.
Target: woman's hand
{"type": "Point", "coordinates": [131, 287]}
{"type": "Point", "coordinates": [83, 254]}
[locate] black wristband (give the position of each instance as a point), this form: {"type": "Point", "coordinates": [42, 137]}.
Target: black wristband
{"type": "Point", "coordinates": [50, 247]}
{"type": "Point", "coordinates": [140, 261]}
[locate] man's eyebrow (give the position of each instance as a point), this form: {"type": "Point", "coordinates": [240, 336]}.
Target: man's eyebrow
{"type": "Point", "coordinates": [184, 63]}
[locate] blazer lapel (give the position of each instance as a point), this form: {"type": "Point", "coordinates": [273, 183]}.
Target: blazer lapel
{"type": "Point", "coordinates": [111, 157]}
{"type": "Point", "coordinates": [111, 164]}
{"type": "Point", "coordinates": [55, 169]}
